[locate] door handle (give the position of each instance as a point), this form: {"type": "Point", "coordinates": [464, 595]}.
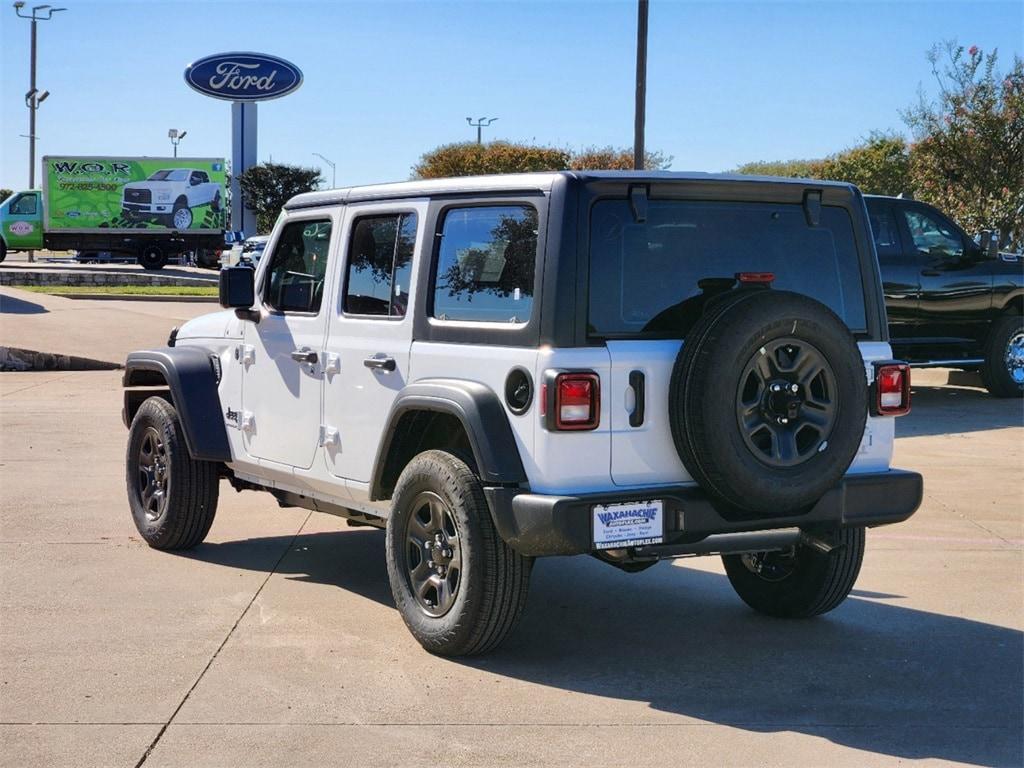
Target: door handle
{"type": "Point", "coordinates": [304, 355]}
{"type": "Point", "coordinates": [380, 363]}
{"type": "Point", "coordinates": [931, 273]}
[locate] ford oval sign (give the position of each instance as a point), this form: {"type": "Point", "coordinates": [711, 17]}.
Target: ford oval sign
{"type": "Point", "coordinates": [243, 76]}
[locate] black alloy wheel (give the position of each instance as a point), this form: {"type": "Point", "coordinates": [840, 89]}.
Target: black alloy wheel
{"type": "Point", "coordinates": [433, 559]}
{"type": "Point", "coordinates": [785, 402]}
{"type": "Point", "coordinates": [154, 474]}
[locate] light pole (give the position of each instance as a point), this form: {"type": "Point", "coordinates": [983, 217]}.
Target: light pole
{"type": "Point", "coordinates": [176, 136]}
{"type": "Point", "coordinates": [641, 86]}
{"type": "Point", "coordinates": [34, 97]}
{"type": "Point", "coordinates": [334, 174]}
{"type": "Point", "coordinates": [481, 122]}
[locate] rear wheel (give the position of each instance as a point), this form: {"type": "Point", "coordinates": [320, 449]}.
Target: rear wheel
{"type": "Point", "coordinates": [152, 257]}
{"type": "Point", "coordinates": [800, 582]}
{"type": "Point", "coordinates": [459, 588]}
{"type": "Point", "coordinates": [173, 497]}
{"type": "Point", "coordinates": [1003, 369]}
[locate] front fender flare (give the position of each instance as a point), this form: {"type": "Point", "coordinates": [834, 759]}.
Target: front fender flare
{"type": "Point", "coordinates": [189, 374]}
{"type": "Point", "coordinates": [483, 417]}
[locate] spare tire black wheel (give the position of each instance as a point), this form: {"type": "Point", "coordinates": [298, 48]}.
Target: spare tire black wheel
{"type": "Point", "coordinates": [768, 401]}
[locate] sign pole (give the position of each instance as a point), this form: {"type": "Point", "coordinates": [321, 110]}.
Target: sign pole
{"type": "Point", "coordinates": [243, 157]}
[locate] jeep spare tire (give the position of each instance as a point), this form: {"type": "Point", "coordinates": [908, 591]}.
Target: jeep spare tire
{"type": "Point", "coordinates": [768, 401]}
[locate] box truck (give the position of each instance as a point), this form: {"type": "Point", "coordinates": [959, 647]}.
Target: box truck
{"type": "Point", "coordinates": [153, 208]}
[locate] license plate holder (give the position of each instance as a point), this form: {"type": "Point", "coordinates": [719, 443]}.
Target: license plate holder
{"type": "Point", "coordinates": [629, 524]}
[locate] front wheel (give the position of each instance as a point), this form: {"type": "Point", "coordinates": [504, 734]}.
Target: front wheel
{"type": "Point", "coordinates": [181, 217]}
{"type": "Point", "coordinates": [1003, 369]}
{"type": "Point", "coordinates": [800, 582]}
{"type": "Point", "coordinates": [173, 497]}
{"type": "Point", "coordinates": [459, 588]}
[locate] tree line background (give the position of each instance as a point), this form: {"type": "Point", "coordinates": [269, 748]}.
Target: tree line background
{"type": "Point", "coordinates": [965, 154]}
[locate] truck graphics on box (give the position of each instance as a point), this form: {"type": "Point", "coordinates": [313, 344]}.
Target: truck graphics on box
{"type": "Point", "coordinates": [88, 193]}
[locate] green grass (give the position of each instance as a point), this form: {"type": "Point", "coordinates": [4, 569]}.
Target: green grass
{"type": "Point", "coordinates": [123, 290]}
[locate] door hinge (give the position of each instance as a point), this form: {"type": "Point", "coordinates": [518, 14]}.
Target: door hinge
{"type": "Point", "coordinates": [245, 354]}
{"type": "Point", "coordinates": [329, 436]}
{"type": "Point", "coordinates": [332, 363]}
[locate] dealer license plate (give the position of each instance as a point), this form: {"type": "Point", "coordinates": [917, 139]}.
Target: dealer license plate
{"type": "Point", "coordinates": [628, 525]}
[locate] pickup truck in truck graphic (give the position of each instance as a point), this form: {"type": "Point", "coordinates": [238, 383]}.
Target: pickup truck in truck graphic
{"type": "Point", "coordinates": [170, 194]}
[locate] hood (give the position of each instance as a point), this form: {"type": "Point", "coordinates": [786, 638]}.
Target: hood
{"type": "Point", "coordinates": [215, 325]}
{"type": "Point", "coordinates": [155, 186]}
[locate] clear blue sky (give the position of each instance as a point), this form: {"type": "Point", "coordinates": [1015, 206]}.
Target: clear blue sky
{"type": "Point", "coordinates": [729, 82]}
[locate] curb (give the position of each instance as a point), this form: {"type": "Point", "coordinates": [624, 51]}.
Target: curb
{"type": "Point", "coordinates": [132, 297]}
{"type": "Point", "coordinates": [15, 359]}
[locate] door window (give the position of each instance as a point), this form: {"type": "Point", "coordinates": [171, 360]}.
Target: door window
{"type": "Point", "coordinates": [883, 227]}
{"type": "Point", "coordinates": [932, 235]}
{"type": "Point", "coordinates": [380, 265]}
{"type": "Point", "coordinates": [24, 205]}
{"type": "Point", "coordinates": [486, 264]}
{"type": "Point", "coordinates": [295, 277]}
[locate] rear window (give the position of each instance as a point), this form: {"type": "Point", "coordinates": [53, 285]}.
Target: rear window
{"type": "Point", "coordinates": [653, 278]}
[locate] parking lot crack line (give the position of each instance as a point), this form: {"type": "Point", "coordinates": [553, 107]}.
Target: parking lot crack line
{"type": "Point", "coordinates": [224, 642]}
{"type": "Point", "coordinates": [968, 519]}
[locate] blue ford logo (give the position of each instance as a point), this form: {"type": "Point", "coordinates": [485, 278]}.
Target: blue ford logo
{"type": "Point", "coordinates": [243, 76]}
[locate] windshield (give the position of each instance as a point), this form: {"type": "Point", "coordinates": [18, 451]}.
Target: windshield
{"type": "Point", "coordinates": [178, 174]}
{"type": "Point", "coordinates": [652, 279]}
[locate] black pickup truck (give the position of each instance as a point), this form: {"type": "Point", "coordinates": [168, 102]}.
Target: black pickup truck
{"type": "Point", "coordinates": [951, 301]}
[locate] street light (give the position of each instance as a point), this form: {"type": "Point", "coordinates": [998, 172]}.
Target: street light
{"type": "Point", "coordinates": [481, 122]}
{"type": "Point", "coordinates": [176, 136]}
{"type": "Point", "coordinates": [34, 97]}
{"type": "Point", "coordinates": [334, 175]}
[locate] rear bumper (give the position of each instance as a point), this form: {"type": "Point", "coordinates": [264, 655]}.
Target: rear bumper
{"type": "Point", "coordinates": [538, 524]}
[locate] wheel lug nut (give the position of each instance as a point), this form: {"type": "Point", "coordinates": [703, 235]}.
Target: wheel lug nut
{"type": "Point", "coordinates": [430, 563]}
{"type": "Point", "coordinates": [794, 388]}
{"type": "Point", "coordinates": [783, 420]}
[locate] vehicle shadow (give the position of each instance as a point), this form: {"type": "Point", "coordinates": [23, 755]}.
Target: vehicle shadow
{"type": "Point", "coordinates": [9, 305]}
{"type": "Point", "coordinates": [873, 675]}
{"type": "Point", "coordinates": [951, 409]}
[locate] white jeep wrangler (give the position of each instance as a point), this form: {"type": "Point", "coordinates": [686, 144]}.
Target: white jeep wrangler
{"type": "Point", "coordinates": [636, 366]}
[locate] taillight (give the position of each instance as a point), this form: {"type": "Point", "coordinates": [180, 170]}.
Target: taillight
{"type": "Point", "coordinates": [756, 278]}
{"type": "Point", "coordinates": [892, 389]}
{"type": "Point", "coordinates": [574, 401]}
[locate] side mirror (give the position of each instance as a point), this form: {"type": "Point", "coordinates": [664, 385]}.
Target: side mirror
{"type": "Point", "coordinates": [238, 291]}
{"type": "Point", "coordinates": [989, 242]}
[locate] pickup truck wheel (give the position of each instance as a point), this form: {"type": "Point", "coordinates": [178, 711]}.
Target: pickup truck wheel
{"type": "Point", "coordinates": [459, 588]}
{"type": "Point", "coordinates": [799, 583]}
{"type": "Point", "coordinates": [767, 402]}
{"type": "Point", "coordinates": [152, 257]}
{"type": "Point", "coordinates": [181, 216]}
{"type": "Point", "coordinates": [3, 250]}
{"type": "Point", "coordinates": [173, 497]}
{"type": "Point", "coordinates": [1003, 369]}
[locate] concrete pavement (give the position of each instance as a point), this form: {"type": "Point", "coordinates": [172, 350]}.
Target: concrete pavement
{"type": "Point", "coordinates": [98, 330]}
{"type": "Point", "coordinates": [276, 642]}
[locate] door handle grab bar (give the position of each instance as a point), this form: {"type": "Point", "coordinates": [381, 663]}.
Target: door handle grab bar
{"type": "Point", "coordinates": [304, 355]}
{"type": "Point", "coordinates": [386, 364]}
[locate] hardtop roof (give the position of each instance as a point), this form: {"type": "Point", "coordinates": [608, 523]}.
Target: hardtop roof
{"type": "Point", "coordinates": [522, 182]}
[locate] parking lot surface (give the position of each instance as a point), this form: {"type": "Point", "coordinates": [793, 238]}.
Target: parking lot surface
{"type": "Point", "coordinates": [276, 642]}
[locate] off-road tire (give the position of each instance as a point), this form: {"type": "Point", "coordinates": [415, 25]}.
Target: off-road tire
{"type": "Point", "coordinates": [493, 580]}
{"type": "Point", "coordinates": [215, 203]}
{"type": "Point", "coordinates": [152, 257]}
{"type": "Point", "coordinates": [704, 390]}
{"type": "Point", "coordinates": [191, 486]}
{"type": "Point", "coordinates": [994, 371]}
{"type": "Point", "coordinates": [818, 581]}
{"type": "Point", "coordinates": [181, 204]}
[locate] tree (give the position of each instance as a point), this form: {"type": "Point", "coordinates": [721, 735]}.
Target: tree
{"type": "Point", "coordinates": [879, 166]}
{"type": "Point", "coordinates": [800, 169]}
{"type": "Point", "coordinates": [268, 186]}
{"type": "Point", "coordinates": [968, 159]}
{"type": "Point", "coordinates": [615, 159]}
{"type": "Point", "coordinates": [470, 159]}
{"type": "Point", "coordinates": [5, 193]}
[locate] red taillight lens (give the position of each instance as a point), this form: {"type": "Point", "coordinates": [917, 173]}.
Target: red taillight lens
{"type": "Point", "coordinates": [762, 278]}
{"type": "Point", "coordinates": [577, 401]}
{"type": "Point", "coordinates": [892, 388]}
